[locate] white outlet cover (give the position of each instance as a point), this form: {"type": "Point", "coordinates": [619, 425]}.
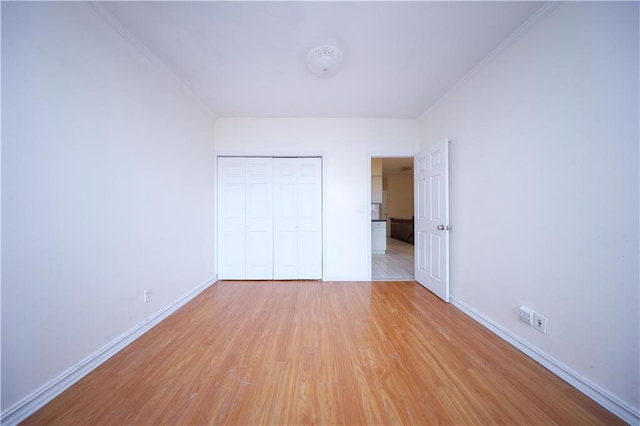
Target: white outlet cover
{"type": "Point", "coordinates": [540, 323]}
{"type": "Point", "coordinates": [526, 315]}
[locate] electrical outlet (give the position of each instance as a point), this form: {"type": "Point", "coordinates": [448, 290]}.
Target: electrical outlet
{"type": "Point", "coordinates": [147, 295]}
{"type": "Point", "coordinates": [540, 323]}
{"type": "Point", "coordinates": [526, 315]}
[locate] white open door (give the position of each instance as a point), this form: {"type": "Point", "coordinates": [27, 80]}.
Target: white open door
{"type": "Point", "coordinates": [431, 221]}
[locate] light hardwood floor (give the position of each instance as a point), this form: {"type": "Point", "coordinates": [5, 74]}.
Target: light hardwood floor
{"type": "Point", "coordinates": [322, 353]}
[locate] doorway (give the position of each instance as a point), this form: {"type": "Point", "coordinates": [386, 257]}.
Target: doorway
{"type": "Point", "coordinates": [392, 207]}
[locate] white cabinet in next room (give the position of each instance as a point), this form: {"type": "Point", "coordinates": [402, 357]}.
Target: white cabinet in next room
{"type": "Point", "coordinates": [378, 237]}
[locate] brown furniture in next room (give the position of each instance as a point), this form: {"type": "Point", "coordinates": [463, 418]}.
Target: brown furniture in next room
{"type": "Point", "coordinates": [402, 229]}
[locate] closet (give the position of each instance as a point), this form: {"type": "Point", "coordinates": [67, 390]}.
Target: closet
{"type": "Point", "coordinates": [269, 218]}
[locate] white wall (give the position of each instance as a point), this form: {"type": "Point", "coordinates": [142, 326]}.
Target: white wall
{"type": "Point", "coordinates": [107, 189]}
{"type": "Point", "coordinates": [544, 189]}
{"type": "Point", "coordinates": [346, 146]}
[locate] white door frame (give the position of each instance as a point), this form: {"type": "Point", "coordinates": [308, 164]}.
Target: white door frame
{"type": "Point", "coordinates": [412, 155]}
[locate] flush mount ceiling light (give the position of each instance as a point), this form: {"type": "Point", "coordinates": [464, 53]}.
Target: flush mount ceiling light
{"type": "Point", "coordinates": [324, 60]}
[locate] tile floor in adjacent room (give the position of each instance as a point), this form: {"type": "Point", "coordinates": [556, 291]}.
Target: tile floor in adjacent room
{"type": "Point", "coordinates": [396, 264]}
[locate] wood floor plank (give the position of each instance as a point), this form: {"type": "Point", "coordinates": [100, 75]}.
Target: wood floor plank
{"type": "Point", "coordinates": [320, 353]}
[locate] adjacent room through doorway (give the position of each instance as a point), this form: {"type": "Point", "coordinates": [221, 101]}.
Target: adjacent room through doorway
{"type": "Point", "coordinates": [392, 218]}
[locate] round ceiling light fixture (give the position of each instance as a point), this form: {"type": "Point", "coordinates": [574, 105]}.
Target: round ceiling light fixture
{"type": "Point", "coordinates": [324, 60]}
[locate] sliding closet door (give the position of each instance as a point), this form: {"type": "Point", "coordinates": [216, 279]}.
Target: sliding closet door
{"type": "Point", "coordinates": [297, 218]}
{"type": "Point", "coordinates": [245, 218]}
{"type": "Point", "coordinates": [310, 218]}
{"type": "Point", "coordinates": [285, 218]}
{"type": "Point", "coordinates": [259, 219]}
{"type": "Point", "coordinates": [231, 218]}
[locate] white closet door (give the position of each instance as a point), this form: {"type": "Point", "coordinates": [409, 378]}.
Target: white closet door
{"type": "Point", "coordinates": [231, 218]}
{"type": "Point", "coordinates": [245, 218]}
{"type": "Point", "coordinates": [285, 218]}
{"type": "Point", "coordinates": [259, 218]}
{"type": "Point", "coordinates": [269, 218]}
{"type": "Point", "coordinates": [310, 218]}
{"type": "Point", "coordinates": [297, 218]}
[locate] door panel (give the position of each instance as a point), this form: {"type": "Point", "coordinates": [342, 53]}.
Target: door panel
{"type": "Point", "coordinates": [259, 219]}
{"type": "Point", "coordinates": [431, 213]}
{"type": "Point", "coordinates": [435, 260]}
{"type": "Point", "coordinates": [285, 218]}
{"type": "Point", "coordinates": [245, 230]}
{"type": "Point", "coordinates": [420, 218]}
{"type": "Point", "coordinates": [435, 183]}
{"type": "Point", "coordinates": [310, 218]}
{"type": "Point", "coordinates": [297, 212]}
{"type": "Point", "coordinates": [259, 263]}
{"type": "Point", "coordinates": [231, 218]}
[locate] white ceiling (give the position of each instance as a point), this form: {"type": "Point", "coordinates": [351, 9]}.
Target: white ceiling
{"type": "Point", "coordinates": [247, 59]}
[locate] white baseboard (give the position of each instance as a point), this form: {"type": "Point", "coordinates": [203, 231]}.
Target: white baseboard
{"type": "Point", "coordinates": [37, 399]}
{"type": "Point", "coordinates": [593, 391]}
